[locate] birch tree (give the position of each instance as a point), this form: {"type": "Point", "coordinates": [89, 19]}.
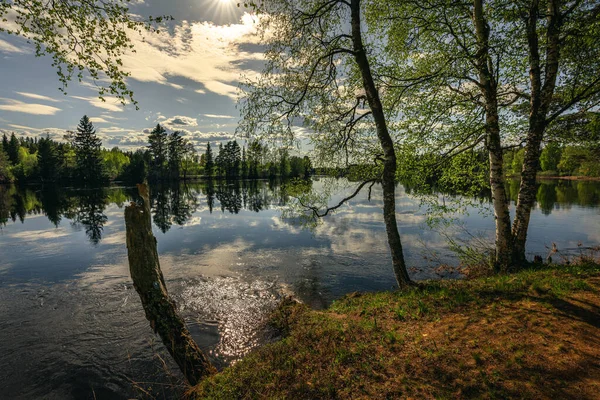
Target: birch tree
{"type": "Point", "coordinates": [490, 74]}
{"type": "Point", "coordinates": [318, 74]}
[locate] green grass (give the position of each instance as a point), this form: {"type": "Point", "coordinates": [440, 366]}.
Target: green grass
{"type": "Point", "coordinates": [390, 344]}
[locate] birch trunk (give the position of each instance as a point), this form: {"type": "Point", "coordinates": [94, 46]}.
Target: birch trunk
{"type": "Point", "coordinates": [388, 180]}
{"type": "Point", "coordinates": [541, 97]}
{"type": "Point", "coordinates": [488, 86]}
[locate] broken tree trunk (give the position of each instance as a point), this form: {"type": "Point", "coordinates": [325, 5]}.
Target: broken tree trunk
{"type": "Point", "coordinates": [149, 283]}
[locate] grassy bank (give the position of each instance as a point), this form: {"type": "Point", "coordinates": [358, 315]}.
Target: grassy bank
{"type": "Point", "coordinates": [533, 335]}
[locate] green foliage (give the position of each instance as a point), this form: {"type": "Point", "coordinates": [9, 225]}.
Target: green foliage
{"type": "Point", "coordinates": [115, 163]}
{"type": "Point", "coordinates": [517, 161]}
{"type": "Point", "coordinates": [6, 174]}
{"type": "Point", "coordinates": [577, 160]}
{"type": "Point", "coordinates": [137, 170]}
{"type": "Point", "coordinates": [48, 161]}
{"type": "Point", "coordinates": [466, 173]}
{"type": "Point", "coordinates": [229, 160]}
{"type": "Point", "coordinates": [550, 157]}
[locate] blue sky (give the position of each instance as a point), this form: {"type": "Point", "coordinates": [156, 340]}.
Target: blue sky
{"type": "Point", "coordinates": [185, 78]}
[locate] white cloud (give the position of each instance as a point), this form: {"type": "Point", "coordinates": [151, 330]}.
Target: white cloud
{"type": "Point", "coordinates": [179, 121]}
{"type": "Point", "coordinates": [99, 120]}
{"type": "Point", "coordinates": [38, 97]}
{"type": "Point", "coordinates": [209, 54]}
{"type": "Point", "coordinates": [6, 47]}
{"type": "Point", "coordinates": [53, 133]}
{"type": "Point", "coordinates": [218, 116]}
{"type": "Point", "coordinates": [27, 108]}
{"type": "Point", "coordinates": [110, 103]}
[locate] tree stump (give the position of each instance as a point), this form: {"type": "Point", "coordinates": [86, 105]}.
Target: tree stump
{"type": "Point", "coordinates": [148, 281]}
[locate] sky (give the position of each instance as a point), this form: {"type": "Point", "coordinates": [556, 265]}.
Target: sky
{"type": "Point", "coordinates": [184, 78]}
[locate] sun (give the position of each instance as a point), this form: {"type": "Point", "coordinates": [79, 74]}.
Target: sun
{"type": "Point", "coordinates": [221, 11]}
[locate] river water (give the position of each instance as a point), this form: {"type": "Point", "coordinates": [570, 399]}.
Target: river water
{"type": "Point", "coordinates": [72, 325]}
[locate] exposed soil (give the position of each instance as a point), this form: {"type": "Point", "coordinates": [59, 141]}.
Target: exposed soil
{"type": "Point", "coordinates": [532, 335]}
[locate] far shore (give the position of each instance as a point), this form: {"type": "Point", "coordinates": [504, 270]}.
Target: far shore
{"type": "Point", "coordinates": [566, 177]}
{"type": "Point", "coordinates": [571, 178]}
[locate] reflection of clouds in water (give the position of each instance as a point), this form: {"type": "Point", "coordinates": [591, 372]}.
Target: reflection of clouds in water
{"type": "Point", "coordinates": [114, 238]}
{"type": "Point", "coordinates": [5, 268]}
{"type": "Point", "coordinates": [278, 224]}
{"type": "Point", "coordinates": [207, 261]}
{"type": "Point", "coordinates": [193, 221]}
{"type": "Point", "coordinates": [348, 238]}
{"type": "Point", "coordinates": [34, 236]}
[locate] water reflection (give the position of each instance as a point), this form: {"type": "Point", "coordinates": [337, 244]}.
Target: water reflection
{"type": "Point", "coordinates": [176, 204]}
{"type": "Point", "coordinates": [226, 255]}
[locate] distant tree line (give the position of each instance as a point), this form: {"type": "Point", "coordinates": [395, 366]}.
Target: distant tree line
{"type": "Point", "coordinates": [81, 159]}
{"type": "Point", "coordinates": [558, 160]}
{"type": "Point", "coordinates": [255, 161]}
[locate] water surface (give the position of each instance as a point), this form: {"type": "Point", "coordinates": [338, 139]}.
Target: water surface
{"type": "Point", "coordinates": [73, 327]}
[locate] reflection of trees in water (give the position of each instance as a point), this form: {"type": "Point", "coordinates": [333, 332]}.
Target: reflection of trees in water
{"type": "Point", "coordinates": [55, 204]}
{"type": "Point", "coordinates": [230, 197]}
{"type": "Point", "coordinates": [184, 202]}
{"type": "Point", "coordinates": [90, 213]}
{"type": "Point", "coordinates": [17, 203]}
{"type": "Point", "coordinates": [173, 204]}
{"type": "Point", "coordinates": [85, 208]}
{"type": "Point", "coordinates": [254, 199]}
{"type": "Point", "coordinates": [161, 210]}
{"type": "Point", "coordinates": [546, 197]}
{"type": "Point", "coordinates": [209, 191]}
{"type": "Point", "coordinates": [250, 195]}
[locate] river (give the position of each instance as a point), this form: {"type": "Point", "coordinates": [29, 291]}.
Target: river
{"type": "Point", "coordinates": [72, 325]}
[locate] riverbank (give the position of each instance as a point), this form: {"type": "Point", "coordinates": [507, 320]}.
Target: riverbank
{"type": "Point", "coordinates": [569, 178]}
{"type": "Point", "coordinates": [554, 176]}
{"type": "Point", "coordinates": [534, 334]}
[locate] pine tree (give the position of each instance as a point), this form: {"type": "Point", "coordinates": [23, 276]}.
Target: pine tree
{"type": "Point", "coordinates": [87, 153]}
{"type": "Point", "coordinates": [176, 150]}
{"type": "Point", "coordinates": [208, 168]}
{"type": "Point", "coordinates": [48, 162]}
{"type": "Point", "coordinates": [220, 160]}
{"type": "Point", "coordinates": [236, 159]}
{"type": "Point", "coordinates": [13, 149]}
{"type": "Point", "coordinates": [158, 147]}
{"type": "Point", "coordinates": [244, 163]}
{"type": "Point", "coordinates": [5, 143]}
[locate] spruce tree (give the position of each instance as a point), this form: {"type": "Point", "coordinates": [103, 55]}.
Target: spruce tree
{"type": "Point", "coordinates": [48, 162]}
{"type": "Point", "coordinates": [158, 148]}
{"type": "Point", "coordinates": [244, 163]}
{"type": "Point", "coordinates": [87, 153]}
{"type": "Point", "coordinates": [176, 149]}
{"type": "Point", "coordinates": [220, 160]}
{"type": "Point", "coordinates": [5, 143]}
{"type": "Point", "coordinates": [208, 168]}
{"type": "Point", "coordinates": [13, 149]}
{"type": "Point", "coordinates": [236, 159]}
